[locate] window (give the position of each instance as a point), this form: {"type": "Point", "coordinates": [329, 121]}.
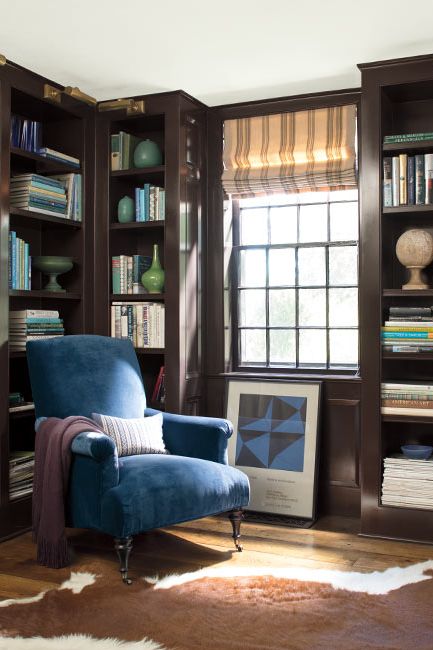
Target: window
{"type": "Point", "coordinates": [295, 277]}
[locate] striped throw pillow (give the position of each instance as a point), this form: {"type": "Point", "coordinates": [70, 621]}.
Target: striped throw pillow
{"type": "Point", "coordinates": [135, 435]}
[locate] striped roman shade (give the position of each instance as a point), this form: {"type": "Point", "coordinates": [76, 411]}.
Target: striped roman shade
{"type": "Point", "coordinates": [303, 151]}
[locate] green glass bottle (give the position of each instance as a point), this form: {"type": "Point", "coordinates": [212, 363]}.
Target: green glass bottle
{"type": "Point", "coordinates": [153, 279]}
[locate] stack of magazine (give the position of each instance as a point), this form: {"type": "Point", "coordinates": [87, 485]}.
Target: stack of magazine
{"type": "Point", "coordinates": [407, 483]}
{"type": "Point", "coordinates": [21, 466]}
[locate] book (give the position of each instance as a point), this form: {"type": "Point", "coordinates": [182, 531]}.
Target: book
{"type": "Point", "coordinates": [115, 152]}
{"type": "Point", "coordinates": [411, 180]}
{"type": "Point", "coordinates": [395, 181]}
{"type": "Point", "coordinates": [410, 412]}
{"type": "Point", "coordinates": [415, 311]}
{"type": "Point", "coordinates": [419, 386]}
{"type": "Point", "coordinates": [403, 178]}
{"type": "Point", "coordinates": [409, 335]}
{"type": "Point", "coordinates": [387, 182]}
{"type": "Point", "coordinates": [408, 403]}
{"type": "Point", "coordinates": [428, 172]}
{"type": "Point", "coordinates": [25, 406]}
{"type": "Point", "coordinates": [419, 180]}
{"type": "Point", "coordinates": [58, 155]}
{"type": "Point", "coordinates": [408, 137]}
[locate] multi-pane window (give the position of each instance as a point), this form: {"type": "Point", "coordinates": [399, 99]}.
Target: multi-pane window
{"type": "Point", "coordinates": [296, 280]}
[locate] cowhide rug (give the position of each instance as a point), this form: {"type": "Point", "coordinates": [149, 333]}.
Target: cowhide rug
{"type": "Point", "coordinates": [228, 608]}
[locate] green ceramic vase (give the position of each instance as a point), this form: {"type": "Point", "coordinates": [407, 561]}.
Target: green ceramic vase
{"type": "Point", "coordinates": [153, 279]}
{"type": "Point", "coordinates": [125, 210]}
{"type": "Point", "coordinates": [147, 154]}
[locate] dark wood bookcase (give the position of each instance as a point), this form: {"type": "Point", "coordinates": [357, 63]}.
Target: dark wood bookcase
{"type": "Point", "coordinates": [177, 122]}
{"type": "Point", "coordinates": [397, 98]}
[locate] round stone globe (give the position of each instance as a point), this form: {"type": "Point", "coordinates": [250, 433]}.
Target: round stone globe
{"type": "Point", "coordinates": [414, 250]}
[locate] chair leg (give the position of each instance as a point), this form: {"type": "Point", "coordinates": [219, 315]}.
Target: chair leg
{"type": "Point", "coordinates": [236, 517]}
{"type": "Point", "coordinates": [123, 547]}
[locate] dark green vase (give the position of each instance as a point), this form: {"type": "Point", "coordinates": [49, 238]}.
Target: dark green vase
{"type": "Point", "coordinates": [153, 279]}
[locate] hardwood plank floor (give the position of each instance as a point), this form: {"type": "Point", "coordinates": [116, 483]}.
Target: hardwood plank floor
{"type": "Point", "coordinates": [333, 543]}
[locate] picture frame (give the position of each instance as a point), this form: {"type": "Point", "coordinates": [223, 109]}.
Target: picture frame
{"type": "Point", "coordinates": [275, 442]}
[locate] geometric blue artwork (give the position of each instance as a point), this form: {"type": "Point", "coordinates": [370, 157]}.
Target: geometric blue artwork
{"type": "Point", "coordinates": [271, 432]}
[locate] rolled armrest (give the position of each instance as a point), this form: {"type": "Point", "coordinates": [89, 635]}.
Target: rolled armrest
{"type": "Point", "coordinates": [94, 444]}
{"type": "Point", "coordinates": [197, 437]}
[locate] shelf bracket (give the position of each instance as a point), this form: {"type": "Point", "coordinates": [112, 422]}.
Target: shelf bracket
{"type": "Point", "coordinates": [3, 60]}
{"type": "Point", "coordinates": [74, 91]}
{"type": "Point", "coordinates": [52, 93]}
{"type": "Point", "coordinates": [132, 106]}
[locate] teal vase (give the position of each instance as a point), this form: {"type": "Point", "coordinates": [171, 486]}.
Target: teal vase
{"type": "Point", "coordinates": [125, 210]}
{"type": "Point", "coordinates": [147, 154]}
{"type": "Point", "coordinates": [153, 279]}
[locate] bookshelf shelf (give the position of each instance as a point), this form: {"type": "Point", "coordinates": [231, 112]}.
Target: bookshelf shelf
{"type": "Point", "coordinates": [415, 293]}
{"type": "Point", "coordinates": [407, 147]}
{"type": "Point", "coordinates": [409, 209]}
{"type": "Point", "coordinates": [26, 217]}
{"type": "Point", "coordinates": [17, 355]}
{"type": "Point", "coordinates": [47, 295]}
{"type": "Point", "coordinates": [408, 356]}
{"type": "Point", "coordinates": [41, 163]}
{"type": "Point", "coordinates": [137, 225]}
{"type": "Point", "coordinates": [139, 173]}
{"type": "Point", "coordinates": [139, 297]}
{"type": "Point", "coordinates": [150, 351]}
{"type": "Point", "coordinates": [418, 419]}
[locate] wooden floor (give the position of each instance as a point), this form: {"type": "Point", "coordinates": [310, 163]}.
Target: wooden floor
{"type": "Point", "coordinates": [333, 543]}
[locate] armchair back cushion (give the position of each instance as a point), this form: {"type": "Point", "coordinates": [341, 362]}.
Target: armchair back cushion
{"type": "Point", "coordinates": [84, 374]}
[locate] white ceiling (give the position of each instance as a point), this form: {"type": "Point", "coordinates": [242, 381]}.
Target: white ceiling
{"type": "Point", "coordinates": [220, 52]}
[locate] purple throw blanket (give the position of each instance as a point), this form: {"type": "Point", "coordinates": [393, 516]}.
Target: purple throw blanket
{"type": "Point", "coordinates": [50, 482]}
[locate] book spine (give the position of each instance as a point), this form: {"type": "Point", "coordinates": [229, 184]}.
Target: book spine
{"type": "Point", "coordinates": [408, 329]}
{"type": "Point", "coordinates": [122, 269]}
{"type": "Point", "coordinates": [130, 322]}
{"type": "Point", "coordinates": [411, 180]}
{"type": "Point", "coordinates": [428, 170]}
{"type": "Point", "coordinates": [26, 266]}
{"type": "Point", "coordinates": [14, 259]}
{"type": "Point", "coordinates": [387, 183]}
{"type": "Point", "coordinates": [146, 202]}
{"type": "Point", "coordinates": [137, 203]}
{"type": "Point", "coordinates": [129, 271]}
{"type": "Point", "coordinates": [414, 311]}
{"type": "Point", "coordinates": [115, 152]}
{"type": "Point", "coordinates": [134, 326]}
{"type": "Point", "coordinates": [408, 335]}
{"type": "Point", "coordinates": [419, 180]}
{"type": "Point", "coordinates": [142, 210]}
{"type": "Point", "coordinates": [10, 260]}
{"type": "Point", "coordinates": [408, 403]}
{"type": "Point", "coordinates": [403, 178]}
{"type": "Point", "coordinates": [395, 181]}
{"type": "Point", "coordinates": [115, 268]}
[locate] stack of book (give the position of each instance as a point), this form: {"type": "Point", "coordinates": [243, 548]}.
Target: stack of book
{"type": "Point", "coordinates": [149, 203]}
{"type": "Point", "coordinates": [19, 263]}
{"type": "Point", "coordinates": [409, 329]}
{"type": "Point", "coordinates": [399, 398]}
{"type": "Point", "coordinates": [52, 154]}
{"type": "Point", "coordinates": [39, 194]}
{"type": "Point", "coordinates": [21, 467]}
{"type": "Point", "coordinates": [408, 180]}
{"type": "Point", "coordinates": [141, 322]}
{"type": "Point", "coordinates": [72, 185]}
{"type": "Point", "coordinates": [33, 324]}
{"type": "Point", "coordinates": [122, 150]}
{"type": "Point", "coordinates": [407, 483]}
{"type": "Point", "coordinates": [25, 134]}
{"type": "Point", "coordinates": [17, 403]}
{"type": "Point", "coordinates": [126, 271]}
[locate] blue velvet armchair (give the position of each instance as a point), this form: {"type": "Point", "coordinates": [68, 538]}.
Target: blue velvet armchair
{"type": "Point", "coordinates": [81, 375]}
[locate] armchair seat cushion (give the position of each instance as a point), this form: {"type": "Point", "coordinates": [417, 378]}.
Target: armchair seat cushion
{"type": "Point", "coordinates": [157, 490]}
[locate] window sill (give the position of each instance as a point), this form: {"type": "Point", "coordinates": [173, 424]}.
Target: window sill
{"type": "Point", "coordinates": [266, 373]}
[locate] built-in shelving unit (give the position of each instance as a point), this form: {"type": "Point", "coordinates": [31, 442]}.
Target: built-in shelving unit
{"type": "Point", "coordinates": [397, 98]}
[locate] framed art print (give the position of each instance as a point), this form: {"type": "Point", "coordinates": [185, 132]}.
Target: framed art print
{"type": "Point", "coordinates": [275, 442]}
